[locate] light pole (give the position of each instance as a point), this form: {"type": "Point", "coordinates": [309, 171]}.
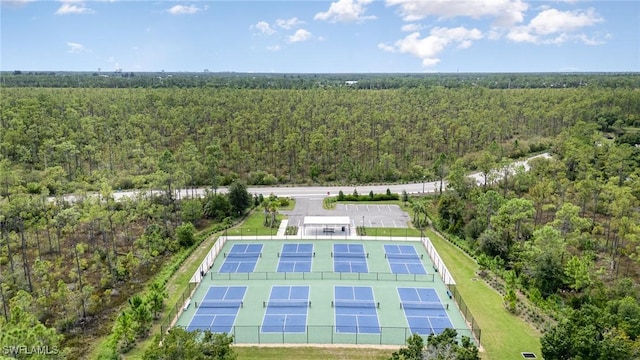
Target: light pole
{"type": "Point", "coordinates": [423, 179]}
{"type": "Point", "coordinates": [362, 231]}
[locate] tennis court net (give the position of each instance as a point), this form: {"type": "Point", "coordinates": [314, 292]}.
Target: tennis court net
{"type": "Point", "coordinates": [355, 303]}
{"type": "Point", "coordinates": [297, 254]}
{"type": "Point", "coordinates": [220, 304]}
{"type": "Point", "coordinates": [286, 303]}
{"type": "Point", "coordinates": [243, 255]}
{"type": "Point", "coordinates": [350, 255]}
{"type": "Point", "coordinates": [403, 256]}
{"type": "Point", "coordinates": [422, 305]}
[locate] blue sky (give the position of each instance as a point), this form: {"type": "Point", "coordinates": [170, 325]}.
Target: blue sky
{"type": "Point", "coordinates": [363, 36]}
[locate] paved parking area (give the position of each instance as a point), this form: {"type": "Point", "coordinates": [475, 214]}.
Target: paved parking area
{"type": "Point", "coordinates": [369, 215]}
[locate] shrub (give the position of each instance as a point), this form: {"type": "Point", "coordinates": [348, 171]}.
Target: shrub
{"type": "Point", "coordinates": [185, 234]}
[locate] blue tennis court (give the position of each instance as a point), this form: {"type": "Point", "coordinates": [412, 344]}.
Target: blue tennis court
{"type": "Point", "coordinates": [286, 309]}
{"type": "Point", "coordinates": [424, 311]}
{"type": "Point", "coordinates": [349, 258]}
{"type": "Point", "coordinates": [295, 258]}
{"type": "Point", "coordinates": [242, 258]}
{"type": "Point", "coordinates": [403, 259]}
{"type": "Point", "coordinates": [355, 310]}
{"type": "Point", "coordinates": [217, 311]}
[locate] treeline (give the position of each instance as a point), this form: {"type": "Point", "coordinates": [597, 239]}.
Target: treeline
{"type": "Point", "coordinates": [565, 234]}
{"type": "Point", "coordinates": [120, 79]}
{"type": "Point", "coordinates": [57, 141]}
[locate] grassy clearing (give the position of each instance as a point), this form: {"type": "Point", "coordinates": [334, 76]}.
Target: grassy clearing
{"type": "Point", "coordinates": [504, 336]}
{"type": "Point", "coordinates": [400, 232]}
{"type": "Point", "coordinates": [253, 226]}
{"type": "Point", "coordinates": [310, 353]}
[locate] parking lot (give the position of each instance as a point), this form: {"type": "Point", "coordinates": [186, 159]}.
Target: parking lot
{"type": "Point", "coordinates": [368, 215]}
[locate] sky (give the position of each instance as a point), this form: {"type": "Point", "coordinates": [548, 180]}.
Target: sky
{"type": "Point", "coordinates": [313, 36]}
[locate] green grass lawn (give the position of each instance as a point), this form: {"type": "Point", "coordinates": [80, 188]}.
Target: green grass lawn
{"type": "Point", "coordinates": [310, 353]}
{"type": "Point", "coordinates": [504, 336]}
{"type": "Point", "coordinates": [254, 226]}
{"type": "Point", "coordinates": [400, 232]}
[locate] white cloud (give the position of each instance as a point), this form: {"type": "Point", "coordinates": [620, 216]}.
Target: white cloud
{"type": "Point", "coordinates": [591, 40]}
{"type": "Point", "coordinates": [300, 35]}
{"type": "Point", "coordinates": [289, 23]}
{"type": "Point", "coordinates": [553, 21]}
{"type": "Point", "coordinates": [273, 48]}
{"type": "Point", "coordinates": [75, 48]}
{"type": "Point", "coordinates": [464, 44]}
{"type": "Point", "coordinates": [183, 10]}
{"type": "Point", "coordinates": [504, 12]}
{"type": "Point", "coordinates": [346, 11]}
{"type": "Point", "coordinates": [429, 48]}
{"type": "Point", "coordinates": [73, 7]}
{"type": "Point", "coordinates": [411, 27]}
{"type": "Point", "coordinates": [263, 27]}
{"type": "Point", "coordinates": [387, 48]}
{"type": "Point", "coordinates": [493, 34]}
{"type": "Point", "coordinates": [552, 26]}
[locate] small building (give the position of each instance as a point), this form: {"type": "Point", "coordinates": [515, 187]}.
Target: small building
{"type": "Point", "coordinates": [327, 225]}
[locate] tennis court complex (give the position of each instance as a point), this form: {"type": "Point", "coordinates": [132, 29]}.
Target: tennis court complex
{"type": "Point", "coordinates": [321, 291]}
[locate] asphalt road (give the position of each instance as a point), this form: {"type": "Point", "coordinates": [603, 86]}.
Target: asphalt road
{"type": "Point", "coordinates": [312, 192]}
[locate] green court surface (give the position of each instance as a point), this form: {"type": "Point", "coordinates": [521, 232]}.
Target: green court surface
{"type": "Point", "coordinates": [320, 326]}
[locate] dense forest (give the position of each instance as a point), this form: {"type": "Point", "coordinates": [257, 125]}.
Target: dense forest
{"type": "Point", "coordinates": [71, 139]}
{"type": "Point", "coordinates": [565, 234]}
